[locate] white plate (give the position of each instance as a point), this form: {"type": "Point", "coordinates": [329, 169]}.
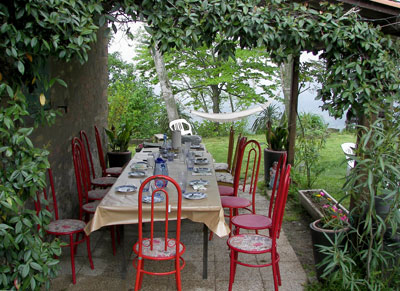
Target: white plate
{"type": "Point", "coordinates": [201, 161]}
{"type": "Point", "coordinates": [194, 195]}
{"type": "Point", "coordinates": [202, 170]}
{"type": "Point", "coordinates": [126, 188]}
{"type": "Point", "coordinates": [198, 182]}
{"type": "Point", "coordinates": [137, 174]}
{"type": "Point", "coordinates": [157, 198]}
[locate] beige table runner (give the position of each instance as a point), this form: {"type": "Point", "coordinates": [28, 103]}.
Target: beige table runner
{"type": "Point", "coordinates": [122, 208]}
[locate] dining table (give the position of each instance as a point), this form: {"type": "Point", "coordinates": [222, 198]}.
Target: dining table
{"type": "Point", "coordinates": [121, 207]}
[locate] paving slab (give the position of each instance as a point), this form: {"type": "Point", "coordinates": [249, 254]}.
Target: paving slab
{"type": "Point", "coordinates": [107, 272]}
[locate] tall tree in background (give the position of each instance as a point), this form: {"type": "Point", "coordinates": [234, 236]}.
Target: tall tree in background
{"type": "Point", "coordinates": [202, 79]}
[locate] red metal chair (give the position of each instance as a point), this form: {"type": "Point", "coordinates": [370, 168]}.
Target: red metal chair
{"type": "Point", "coordinates": [114, 171]}
{"type": "Point", "coordinates": [234, 203]}
{"type": "Point", "coordinates": [61, 227]}
{"type": "Point", "coordinates": [102, 182]}
{"type": "Point", "coordinates": [160, 248]}
{"type": "Point", "coordinates": [226, 189]}
{"type": "Point", "coordinates": [83, 184]}
{"type": "Point", "coordinates": [257, 221]}
{"type": "Point", "coordinates": [251, 243]}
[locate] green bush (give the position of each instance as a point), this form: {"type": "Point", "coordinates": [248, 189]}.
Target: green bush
{"type": "Point", "coordinates": [213, 129]}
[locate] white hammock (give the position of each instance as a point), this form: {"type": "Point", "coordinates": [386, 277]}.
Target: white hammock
{"type": "Point", "coordinates": [227, 117]}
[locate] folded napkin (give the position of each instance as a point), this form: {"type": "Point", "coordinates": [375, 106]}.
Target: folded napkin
{"type": "Point", "coordinates": [202, 174]}
{"type": "Point", "coordinates": [199, 187]}
{"type": "Point", "coordinates": [139, 166]}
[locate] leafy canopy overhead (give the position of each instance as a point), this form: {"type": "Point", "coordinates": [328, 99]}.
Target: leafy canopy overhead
{"type": "Point", "coordinates": [361, 60]}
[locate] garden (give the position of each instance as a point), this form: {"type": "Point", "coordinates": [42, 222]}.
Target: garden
{"type": "Point", "coordinates": [360, 77]}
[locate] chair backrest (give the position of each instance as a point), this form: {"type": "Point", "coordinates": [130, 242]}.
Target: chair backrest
{"type": "Point", "coordinates": [100, 151]}
{"type": "Point", "coordinates": [280, 170]}
{"type": "Point", "coordinates": [86, 144]}
{"type": "Point", "coordinates": [242, 140]}
{"type": "Point", "coordinates": [348, 149]}
{"type": "Point", "coordinates": [231, 144]}
{"type": "Point", "coordinates": [180, 124]}
{"type": "Point", "coordinates": [82, 174]}
{"type": "Point", "coordinates": [51, 205]}
{"type": "Point", "coordinates": [280, 203]}
{"type": "Point", "coordinates": [154, 190]}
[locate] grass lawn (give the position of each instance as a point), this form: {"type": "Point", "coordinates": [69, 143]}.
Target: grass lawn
{"type": "Point", "coordinates": [332, 157]}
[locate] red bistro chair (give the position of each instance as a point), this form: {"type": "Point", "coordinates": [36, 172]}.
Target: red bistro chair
{"type": "Point", "coordinates": [234, 203]}
{"type": "Point", "coordinates": [226, 167]}
{"type": "Point", "coordinates": [159, 248]}
{"type": "Point", "coordinates": [82, 176]}
{"type": "Point", "coordinates": [251, 243]}
{"type": "Point", "coordinates": [67, 227]}
{"type": "Point", "coordinates": [93, 193]}
{"type": "Point", "coordinates": [226, 189]}
{"type": "Point", "coordinates": [257, 221]}
{"type": "Point", "coordinates": [114, 171]}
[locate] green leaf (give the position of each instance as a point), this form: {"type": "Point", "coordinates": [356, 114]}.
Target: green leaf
{"type": "Point", "coordinates": [34, 42]}
{"type": "Point", "coordinates": [36, 266]}
{"type": "Point", "coordinates": [61, 82]}
{"type": "Point", "coordinates": [21, 67]}
{"type": "Point", "coordinates": [358, 69]}
{"type": "Point", "coordinates": [25, 271]}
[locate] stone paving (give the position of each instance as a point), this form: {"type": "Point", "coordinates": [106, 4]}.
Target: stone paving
{"type": "Point", "coordinates": [107, 272]}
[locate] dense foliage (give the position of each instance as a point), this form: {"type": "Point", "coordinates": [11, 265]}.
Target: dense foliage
{"type": "Point", "coordinates": [310, 140]}
{"type": "Point", "coordinates": [30, 33]}
{"type": "Point", "coordinates": [131, 100]}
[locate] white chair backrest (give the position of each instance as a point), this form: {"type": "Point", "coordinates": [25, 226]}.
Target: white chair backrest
{"type": "Point", "coordinates": [179, 124]}
{"type": "Point", "coordinates": [348, 149]}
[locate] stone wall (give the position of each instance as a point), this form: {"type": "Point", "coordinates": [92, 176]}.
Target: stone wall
{"type": "Point", "coordinates": [86, 105]}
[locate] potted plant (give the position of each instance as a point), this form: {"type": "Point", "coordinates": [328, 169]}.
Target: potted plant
{"type": "Point", "coordinates": [118, 143]}
{"type": "Point", "coordinates": [330, 228]}
{"type": "Point", "coordinates": [277, 136]}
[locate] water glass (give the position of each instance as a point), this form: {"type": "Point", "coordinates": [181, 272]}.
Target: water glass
{"type": "Point", "coordinates": [182, 180]}
{"type": "Point", "coordinates": [188, 144]}
{"type": "Point", "coordinates": [150, 161]}
{"type": "Point", "coordinates": [190, 164]}
{"type": "Point", "coordinates": [170, 156]}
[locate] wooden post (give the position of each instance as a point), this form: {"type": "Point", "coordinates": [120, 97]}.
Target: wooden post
{"type": "Point", "coordinates": [294, 94]}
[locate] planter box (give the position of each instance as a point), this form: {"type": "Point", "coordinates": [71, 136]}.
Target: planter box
{"type": "Point", "coordinates": [311, 207]}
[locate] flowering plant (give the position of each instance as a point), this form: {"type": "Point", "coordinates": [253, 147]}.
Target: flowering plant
{"type": "Point", "coordinates": [333, 217]}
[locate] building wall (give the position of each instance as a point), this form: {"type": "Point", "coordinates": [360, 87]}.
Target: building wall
{"type": "Point", "coordinates": [86, 105]}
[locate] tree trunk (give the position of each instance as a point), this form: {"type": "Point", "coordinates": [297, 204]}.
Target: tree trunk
{"type": "Point", "coordinates": [286, 82]}
{"type": "Point", "coordinates": [166, 90]}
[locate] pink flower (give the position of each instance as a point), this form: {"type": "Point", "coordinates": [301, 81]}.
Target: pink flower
{"type": "Point", "coordinates": [322, 193]}
{"type": "Point", "coordinates": [334, 208]}
{"type": "Point", "coordinates": [325, 206]}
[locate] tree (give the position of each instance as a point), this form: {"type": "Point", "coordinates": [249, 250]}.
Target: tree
{"type": "Point", "coordinates": [204, 80]}
{"type": "Point", "coordinates": [131, 100]}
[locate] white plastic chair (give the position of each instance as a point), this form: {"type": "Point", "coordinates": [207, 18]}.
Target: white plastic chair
{"type": "Point", "coordinates": [179, 124]}
{"type": "Point", "coordinates": [348, 149]}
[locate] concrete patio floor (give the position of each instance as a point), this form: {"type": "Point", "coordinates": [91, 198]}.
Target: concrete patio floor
{"type": "Point", "coordinates": [107, 268]}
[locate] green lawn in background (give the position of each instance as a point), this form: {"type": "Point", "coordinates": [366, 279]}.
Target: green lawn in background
{"type": "Point", "coordinates": [332, 157]}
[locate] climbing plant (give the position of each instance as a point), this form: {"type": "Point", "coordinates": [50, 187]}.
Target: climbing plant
{"type": "Point", "coordinates": [30, 33]}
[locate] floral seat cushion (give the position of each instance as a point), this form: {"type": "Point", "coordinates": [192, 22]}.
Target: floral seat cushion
{"type": "Point", "coordinates": [220, 166]}
{"type": "Point", "coordinates": [250, 242]}
{"type": "Point", "coordinates": [115, 171]}
{"type": "Point", "coordinates": [90, 207]}
{"type": "Point", "coordinates": [65, 226]}
{"type": "Point", "coordinates": [158, 250]}
{"type": "Point", "coordinates": [104, 181]}
{"type": "Point", "coordinates": [224, 177]}
{"type": "Point", "coordinates": [97, 194]}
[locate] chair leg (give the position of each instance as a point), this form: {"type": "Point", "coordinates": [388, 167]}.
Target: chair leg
{"type": "Point", "coordinates": [274, 270]}
{"type": "Point", "coordinates": [230, 221]}
{"type": "Point", "coordinates": [71, 245]}
{"type": "Point", "coordinates": [76, 240]}
{"type": "Point", "coordinates": [87, 238]}
{"type": "Point", "coordinates": [211, 235]}
{"type": "Point", "coordinates": [232, 272]}
{"type": "Point", "coordinates": [138, 274]}
{"type": "Point", "coordinates": [141, 276]}
{"type": "Point", "coordinates": [178, 275]}
{"type": "Point", "coordinates": [112, 230]}
{"type": "Point", "coordinates": [236, 254]}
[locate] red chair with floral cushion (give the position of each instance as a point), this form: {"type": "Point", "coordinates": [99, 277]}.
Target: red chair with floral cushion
{"type": "Point", "coordinates": [63, 227]}
{"type": "Point", "coordinates": [114, 171]}
{"type": "Point", "coordinates": [83, 183]}
{"type": "Point", "coordinates": [227, 189]}
{"type": "Point", "coordinates": [159, 248]}
{"type": "Point", "coordinates": [253, 160]}
{"type": "Point", "coordinates": [251, 243]}
{"type": "Point", "coordinates": [102, 182]}
{"type": "Point", "coordinates": [257, 221]}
